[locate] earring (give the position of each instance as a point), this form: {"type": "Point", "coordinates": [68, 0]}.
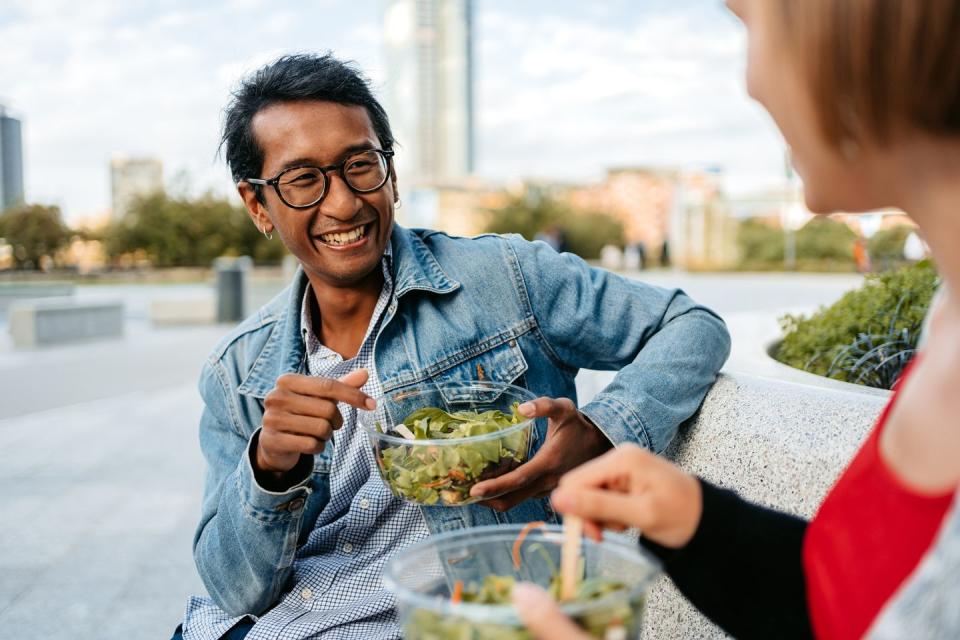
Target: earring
{"type": "Point", "coordinates": [268, 236]}
{"type": "Point", "coordinates": [399, 204]}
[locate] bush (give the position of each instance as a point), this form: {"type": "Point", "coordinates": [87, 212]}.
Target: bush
{"type": "Point", "coordinates": [35, 232]}
{"type": "Point", "coordinates": [886, 247]}
{"type": "Point", "coordinates": [760, 244]}
{"type": "Point", "coordinates": [826, 239]}
{"type": "Point", "coordinates": [867, 336]}
{"type": "Point", "coordinates": [823, 244]}
{"type": "Point", "coordinates": [586, 232]}
{"type": "Point", "coordinates": [179, 231]}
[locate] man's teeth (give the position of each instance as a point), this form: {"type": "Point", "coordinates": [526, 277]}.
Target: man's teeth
{"type": "Point", "coordinates": [344, 238]}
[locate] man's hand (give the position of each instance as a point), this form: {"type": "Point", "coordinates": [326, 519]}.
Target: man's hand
{"type": "Point", "coordinates": [632, 487]}
{"type": "Point", "coordinates": [541, 615]}
{"type": "Point", "coordinates": [300, 416]}
{"type": "Point", "coordinates": [571, 440]}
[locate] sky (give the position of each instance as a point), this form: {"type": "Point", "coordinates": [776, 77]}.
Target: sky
{"type": "Point", "coordinates": [564, 88]}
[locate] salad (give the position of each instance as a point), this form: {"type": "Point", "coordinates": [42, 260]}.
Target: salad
{"type": "Point", "coordinates": [456, 451]}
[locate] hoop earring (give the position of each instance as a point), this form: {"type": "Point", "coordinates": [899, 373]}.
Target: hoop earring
{"type": "Point", "coordinates": [399, 204]}
{"type": "Point", "coordinates": [268, 236]}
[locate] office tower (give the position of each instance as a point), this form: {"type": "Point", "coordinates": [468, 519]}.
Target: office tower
{"type": "Point", "coordinates": [131, 178]}
{"type": "Point", "coordinates": [429, 88]}
{"type": "Point", "coordinates": [11, 161]}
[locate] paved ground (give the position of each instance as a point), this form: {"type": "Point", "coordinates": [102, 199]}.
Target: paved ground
{"type": "Point", "coordinates": [100, 474]}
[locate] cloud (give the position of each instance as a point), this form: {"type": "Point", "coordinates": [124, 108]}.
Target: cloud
{"type": "Point", "coordinates": [563, 91]}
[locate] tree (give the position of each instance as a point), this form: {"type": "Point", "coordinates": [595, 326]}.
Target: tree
{"type": "Point", "coordinates": [183, 231]}
{"type": "Point", "coordinates": [35, 232]}
{"type": "Point", "coordinates": [826, 239]}
{"type": "Point", "coordinates": [586, 231]}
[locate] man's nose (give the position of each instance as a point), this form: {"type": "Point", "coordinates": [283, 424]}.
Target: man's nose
{"type": "Point", "coordinates": [339, 201]}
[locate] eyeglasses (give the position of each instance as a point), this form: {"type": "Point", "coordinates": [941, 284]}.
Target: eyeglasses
{"type": "Point", "coordinates": [304, 186]}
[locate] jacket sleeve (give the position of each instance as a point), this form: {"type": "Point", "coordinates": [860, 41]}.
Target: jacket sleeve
{"type": "Point", "coordinates": [667, 348]}
{"type": "Point", "coordinates": [245, 543]}
{"type": "Point", "coordinates": [743, 568]}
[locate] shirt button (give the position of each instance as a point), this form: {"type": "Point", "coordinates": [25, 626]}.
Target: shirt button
{"type": "Point", "coordinates": [347, 548]}
{"type": "Point", "coordinates": [364, 503]}
{"type": "Point", "coordinates": [306, 594]}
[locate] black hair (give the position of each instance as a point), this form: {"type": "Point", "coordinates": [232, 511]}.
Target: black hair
{"type": "Point", "coordinates": [303, 76]}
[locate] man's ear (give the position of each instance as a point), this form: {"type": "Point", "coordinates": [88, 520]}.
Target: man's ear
{"type": "Point", "coordinates": [256, 209]}
{"type": "Point", "coordinates": [393, 184]}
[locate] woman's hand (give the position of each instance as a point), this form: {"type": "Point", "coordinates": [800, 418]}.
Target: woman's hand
{"type": "Point", "coordinates": [632, 487]}
{"type": "Point", "coordinates": [541, 614]}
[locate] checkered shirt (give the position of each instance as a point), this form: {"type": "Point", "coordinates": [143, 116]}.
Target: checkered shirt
{"type": "Point", "coordinates": [337, 592]}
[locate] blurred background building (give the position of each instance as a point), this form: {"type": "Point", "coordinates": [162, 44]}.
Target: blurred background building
{"type": "Point", "coordinates": [132, 178]}
{"type": "Point", "coordinates": [11, 160]}
{"type": "Point", "coordinates": [429, 96]}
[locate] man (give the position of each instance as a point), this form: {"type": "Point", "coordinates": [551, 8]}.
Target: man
{"type": "Point", "coordinates": [296, 522]}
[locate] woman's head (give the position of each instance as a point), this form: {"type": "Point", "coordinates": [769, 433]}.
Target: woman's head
{"type": "Point", "coordinates": [853, 85]}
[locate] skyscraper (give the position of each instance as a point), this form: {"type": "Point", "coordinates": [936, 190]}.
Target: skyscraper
{"type": "Point", "coordinates": [131, 178]}
{"type": "Point", "coordinates": [11, 161]}
{"type": "Point", "coordinates": [429, 88]}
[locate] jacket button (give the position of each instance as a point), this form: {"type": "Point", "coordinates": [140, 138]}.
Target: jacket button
{"type": "Point", "coordinates": [513, 343]}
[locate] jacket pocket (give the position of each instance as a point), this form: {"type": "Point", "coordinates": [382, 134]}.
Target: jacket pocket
{"type": "Point", "coordinates": [504, 363]}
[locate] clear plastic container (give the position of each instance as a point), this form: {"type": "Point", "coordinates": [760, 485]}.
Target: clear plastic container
{"type": "Point", "coordinates": [424, 576]}
{"type": "Point", "coordinates": [441, 472]}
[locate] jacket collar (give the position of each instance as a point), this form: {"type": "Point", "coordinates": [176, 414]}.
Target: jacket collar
{"type": "Point", "coordinates": [415, 268]}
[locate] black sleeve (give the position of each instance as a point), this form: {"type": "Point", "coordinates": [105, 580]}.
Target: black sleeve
{"type": "Point", "coordinates": [743, 568]}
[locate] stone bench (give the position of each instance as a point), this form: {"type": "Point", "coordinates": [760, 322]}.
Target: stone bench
{"type": "Point", "coordinates": [37, 323]}
{"type": "Point", "coordinates": [778, 443]}
{"type": "Point", "coordinates": [13, 292]}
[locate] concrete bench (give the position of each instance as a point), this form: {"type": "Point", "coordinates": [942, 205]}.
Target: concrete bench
{"type": "Point", "coordinates": [778, 443]}
{"type": "Point", "coordinates": [12, 292]}
{"type": "Point", "coordinates": [183, 311]}
{"type": "Point", "coordinates": [36, 323]}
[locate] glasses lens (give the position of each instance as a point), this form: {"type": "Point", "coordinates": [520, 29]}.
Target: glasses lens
{"type": "Point", "coordinates": [301, 186]}
{"type": "Point", "coordinates": [365, 171]}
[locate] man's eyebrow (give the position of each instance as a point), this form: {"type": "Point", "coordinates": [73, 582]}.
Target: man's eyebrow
{"type": "Point", "coordinates": [304, 160]}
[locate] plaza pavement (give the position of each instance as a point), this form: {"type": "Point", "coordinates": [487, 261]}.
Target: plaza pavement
{"type": "Point", "coordinates": [100, 472]}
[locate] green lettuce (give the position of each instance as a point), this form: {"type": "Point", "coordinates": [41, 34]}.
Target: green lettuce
{"type": "Point", "coordinates": [619, 620]}
{"type": "Point", "coordinates": [431, 474]}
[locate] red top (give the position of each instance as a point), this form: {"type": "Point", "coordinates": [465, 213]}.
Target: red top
{"type": "Point", "coordinates": [868, 536]}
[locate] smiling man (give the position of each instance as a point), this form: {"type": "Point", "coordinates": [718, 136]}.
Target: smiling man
{"type": "Point", "coordinates": [296, 522]}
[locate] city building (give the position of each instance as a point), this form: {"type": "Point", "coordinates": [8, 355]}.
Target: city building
{"type": "Point", "coordinates": [11, 161]}
{"type": "Point", "coordinates": [429, 92]}
{"type": "Point", "coordinates": [132, 178]}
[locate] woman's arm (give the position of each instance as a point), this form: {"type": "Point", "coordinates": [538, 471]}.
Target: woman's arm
{"type": "Point", "coordinates": [743, 567]}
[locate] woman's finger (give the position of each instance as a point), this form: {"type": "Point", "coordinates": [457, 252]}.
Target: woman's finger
{"type": "Point", "coordinates": [542, 615]}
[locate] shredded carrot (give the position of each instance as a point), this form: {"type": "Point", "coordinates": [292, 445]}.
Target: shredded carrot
{"type": "Point", "coordinates": [457, 592]}
{"type": "Point", "coordinates": [527, 528]}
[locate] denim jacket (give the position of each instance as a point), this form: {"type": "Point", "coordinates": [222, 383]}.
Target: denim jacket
{"type": "Point", "coordinates": [514, 310]}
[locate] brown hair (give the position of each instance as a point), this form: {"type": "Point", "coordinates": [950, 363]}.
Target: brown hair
{"type": "Point", "coordinates": [877, 68]}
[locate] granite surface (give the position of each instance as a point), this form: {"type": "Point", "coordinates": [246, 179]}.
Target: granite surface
{"type": "Point", "coordinates": [778, 443]}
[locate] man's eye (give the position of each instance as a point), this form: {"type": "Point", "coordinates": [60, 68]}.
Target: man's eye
{"type": "Point", "coordinates": [306, 177]}
{"type": "Point", "coordinates": [359, 165]}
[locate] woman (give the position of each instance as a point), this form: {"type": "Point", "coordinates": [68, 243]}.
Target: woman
{"type": "Point", "coordinates": [867, 95]}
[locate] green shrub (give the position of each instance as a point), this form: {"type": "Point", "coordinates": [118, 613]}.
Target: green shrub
{"type": "Point", "coordinates": [825, 239]}
{"type": "Point", "coordinates": [760, 243]}
{"type": "Point", "coordinates": [823, 244]}
{"type": "Point", "coordinates": [586, 232]}
{"type": "Point", "coordinates": [868, 329]}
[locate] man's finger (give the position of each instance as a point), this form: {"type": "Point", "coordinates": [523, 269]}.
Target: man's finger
{"type": "Point", "coordinates": [312, 426]}
{"type": "Point", "coordinates": [600, 506]}
{"type": "Point", "coordinates": [510, 500]}
{"type": "Point", "coordinates": [545, 407]}
{"type": "Point", "coordinates": [520, 477]}
{"type": "Point", "coordinates": [346, 389]}
{"type": "Point", "coordinates": [542, 615]}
